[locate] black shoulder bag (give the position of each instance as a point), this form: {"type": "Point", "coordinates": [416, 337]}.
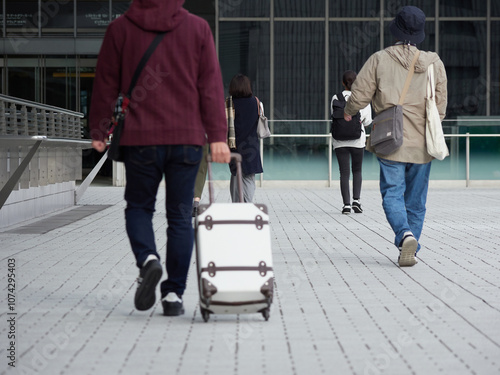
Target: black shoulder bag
{"type": "Point", "coordinates": [115, 152]}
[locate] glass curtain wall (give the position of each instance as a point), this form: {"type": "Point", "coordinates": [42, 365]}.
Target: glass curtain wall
{"type": "Point", "coordinates": [304, 46]}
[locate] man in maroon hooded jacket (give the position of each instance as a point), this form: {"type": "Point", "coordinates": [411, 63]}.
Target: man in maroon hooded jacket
{"type": "Point", "coordinates": [177, 103]}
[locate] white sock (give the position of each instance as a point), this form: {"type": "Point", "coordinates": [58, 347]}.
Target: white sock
{"type": "Point", "coordinates": [172, 297]}
{"type": "Point", "coordinates": [150, 257]}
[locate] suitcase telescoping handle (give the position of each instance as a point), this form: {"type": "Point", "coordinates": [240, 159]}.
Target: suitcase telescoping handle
{"type": "Point", "coordinates": [237, 158]}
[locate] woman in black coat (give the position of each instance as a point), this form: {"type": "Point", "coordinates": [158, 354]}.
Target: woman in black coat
{"type": "Point", "coordinates": [247, 142]}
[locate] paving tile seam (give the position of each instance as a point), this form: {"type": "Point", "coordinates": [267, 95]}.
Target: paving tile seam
{"type": "Point", "coordinates": [430, 355]}
{"type": "Point", "coordinates": [137, 341]}
{"type": "Point", "coordinates": [379, 327]}
{"type": "Point", "coordinates": [47, 239]}
{"type": "Point", "coordinates": [98, 359]}
{"type": "Point", "coordinates": [460, 285]}
{"type": "Point", "coordinates": [332, 329]}
{"type": "Point", "coordinates": [285, 331]}
{"type": "Point", "coordinates": [54, 327]}
{"type": "Point", "coordinates": [34, 280]}
{"type": "Point", "coordinates": [483, 334]}
{"type": "Point", "coordinates": [92, 334]}
{"type": "Point", "coordinates": [403, 359]}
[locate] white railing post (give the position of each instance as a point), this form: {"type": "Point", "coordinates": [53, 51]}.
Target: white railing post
{"type": "Point", "coordinates": [330, 152]}
{"type": "Point", "coordinates": [3, 123]}
{"type": "Point", "coordinates": [467, 159]}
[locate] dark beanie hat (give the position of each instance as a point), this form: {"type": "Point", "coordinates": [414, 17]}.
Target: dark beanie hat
{"type": "Point", "coordinates": [409, 24]}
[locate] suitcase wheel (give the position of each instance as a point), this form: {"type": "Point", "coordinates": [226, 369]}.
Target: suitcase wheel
{"type": "Point", "coordinates": [205, 314]}
{"type": "Point", "coordinates": [265, 314]}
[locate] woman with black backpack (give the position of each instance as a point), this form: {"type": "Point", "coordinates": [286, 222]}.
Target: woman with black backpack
{"type": "Point", "coordinates": [349, 140]}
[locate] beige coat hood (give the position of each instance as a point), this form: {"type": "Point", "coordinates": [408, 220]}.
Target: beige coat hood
{"type": "Point", "coordinates": [381, 82]}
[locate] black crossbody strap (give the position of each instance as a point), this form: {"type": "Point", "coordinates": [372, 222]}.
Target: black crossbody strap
{"type": "Point", "coordinates": [144, 60]}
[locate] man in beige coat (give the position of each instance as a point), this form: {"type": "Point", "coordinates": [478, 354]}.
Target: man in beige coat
{"type": "Point", "coordinates": [404, 174]}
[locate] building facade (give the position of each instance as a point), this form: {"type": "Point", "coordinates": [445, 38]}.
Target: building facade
{"type": "Point", "coordinates": [294, 51]}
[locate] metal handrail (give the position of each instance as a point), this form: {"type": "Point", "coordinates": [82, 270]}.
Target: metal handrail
{"type": "Point", "coordinates": [19, 140]}
{"type": "Point", "coordinates": [467, 136]}
{"type": "Point", "coordinates": [37, 105]}
{"type": "Point", "coordinates": [26, 118]}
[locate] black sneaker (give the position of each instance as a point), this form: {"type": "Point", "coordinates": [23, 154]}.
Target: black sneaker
{"type": "Point", "coordinates": [172, 305]}
{"type": "Point", "coordinates": [356, 207]}
{"type": "Point", "coordinates": [346, 210]}
{"type": "Point", "coordinates": [149, 276]}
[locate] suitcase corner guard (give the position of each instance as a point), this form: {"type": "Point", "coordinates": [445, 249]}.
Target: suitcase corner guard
{"type": "Point", "coordinates": [267, 290]}
{"type": "Point", "coordinates": [208, 290]}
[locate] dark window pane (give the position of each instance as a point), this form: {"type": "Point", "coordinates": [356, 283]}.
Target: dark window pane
{"type": "Point", "coordinates": [119, 7]}
{"type": "Point", "coordinates": [300, 70]}
{"type": "Point", "coordinates": [462, 8]}
{"type": "Point", "coordinates": [244, 48]}
{"type": "Point", "coordinates": [299, 8]}
{"type": "Point", "coordinates": [355, 8]}
{"type": "Point", "coordinates": [495, 69]}
{"type": "Point", "coordinates": [244, 8]}
{"type": "Point", "coordinates": [204, 9]}
{"type": "Point", "coordinates": [92, 15]}
{"type": "Point", "coordinates": [21, 17]}
{"type": "Point", "coordinates": [463, 51]}
{"type": "Point", "coordinates": [22, 83]}
{"type": "Point", "coordinates": [393, 7]}
{"type": "Point", "coordinates": [60, 77]}
{"type": "Point", "coordinates": [495, 8]}
{"type": "Point", "coordinates": [351, 43]}
{"type": "Point", "coordinates": [57, 17]}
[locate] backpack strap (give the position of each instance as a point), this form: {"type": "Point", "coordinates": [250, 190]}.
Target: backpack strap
{"type": "Point", "coordinates": [340, 97]}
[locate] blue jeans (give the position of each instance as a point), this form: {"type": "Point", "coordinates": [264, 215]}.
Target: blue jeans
{"type": "Point", "coordinates": [145, 168]}
{"type": "Point", "coordinates": [404, 189]}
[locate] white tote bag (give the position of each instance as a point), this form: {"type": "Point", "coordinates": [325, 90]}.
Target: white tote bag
{"type": "Point", "coordinates": [434, 137]}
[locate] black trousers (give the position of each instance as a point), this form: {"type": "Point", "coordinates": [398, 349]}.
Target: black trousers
{"type": "Point", "coordinates": [344, 156]}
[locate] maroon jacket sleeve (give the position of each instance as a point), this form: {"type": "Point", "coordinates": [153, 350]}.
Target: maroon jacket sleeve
{"type": "Point", "coordinates": [106, 85]}
{"type": "Point", "coordinates": [211, 92]}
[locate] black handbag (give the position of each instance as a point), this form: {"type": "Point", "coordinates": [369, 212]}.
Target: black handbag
{"type": "Point", "coordinates": [115, 151]}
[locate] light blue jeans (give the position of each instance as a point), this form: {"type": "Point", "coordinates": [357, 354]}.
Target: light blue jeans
{"type": "Point", "coordinates": [404, 189]}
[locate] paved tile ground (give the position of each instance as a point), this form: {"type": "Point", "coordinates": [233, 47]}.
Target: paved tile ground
{"type": "Point", "coordinates": [342, 304]}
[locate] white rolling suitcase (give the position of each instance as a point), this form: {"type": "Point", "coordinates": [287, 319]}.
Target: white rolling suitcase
{"type": "Point", "coordinates": [233, 255]}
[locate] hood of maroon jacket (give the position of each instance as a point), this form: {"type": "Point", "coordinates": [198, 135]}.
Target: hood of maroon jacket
{"type": "Point", "coordinates": [179, 97]}
{"type": "Point", "coordinates": [157, 15]}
